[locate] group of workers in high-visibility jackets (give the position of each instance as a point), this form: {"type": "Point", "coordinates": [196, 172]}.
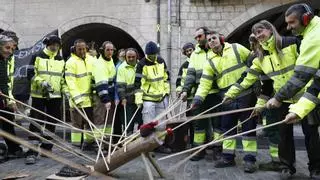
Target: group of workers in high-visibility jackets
{"type": "Point", "coordinates": [278, 75]}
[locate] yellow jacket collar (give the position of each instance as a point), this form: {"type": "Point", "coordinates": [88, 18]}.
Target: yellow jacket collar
{"type": "Point", "coordinates": [313, 23]}
{"type": "Point", "coordinates": [51, 54]}
{"type": "Point", "coordinates": [269, 44]}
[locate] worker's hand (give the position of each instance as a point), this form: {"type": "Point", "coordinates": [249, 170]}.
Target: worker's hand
{"type": "Point", "coordinates": [184, 96]}
{"type": "Point", "coordinates": [45, 84]}
{"type": "Point", "coordinates": [13, 107]}
{"type": "Point", "coordinates": [226, 100]}
{"type": "Point", "coordinates": [178, 93]}
{"type": "Point", "coordinates": [107, 105]}
{"type": "Point", "coordinates": [124, 102]}
{"type": "Point", "coordinates": [116, 102]}
{"type": "Point", "coordinates": [292, 118]}
{"type": "Point", "coordinates": [257, 111]}
{"type": "Point", "coordinates": [273, 103]}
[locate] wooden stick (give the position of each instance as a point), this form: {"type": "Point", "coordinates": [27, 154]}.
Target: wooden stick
{"type": "Point", "coordinates": [83, 156]}
{"type": "Point", "coordinates": [51, 155]}
{"type": "Point", "coordinates": [94, 135]}
{"type": "Point", "coordinates": [131, 120]}
{"type": "Point", "coordinates": [155, 165]}
{"type": "Point", "coordinates": [53, 124]}
{"type": "Point", "coordinates": [125, 125]}
{"type": "Point", "coordinates": [216, 114]}
{"type": "Point", "coordinates": [215, 140]}
{"type": "Point", "coordinates": [213, 107]}
{"type": "Point", "coordinates": [220, 140]}
{"type": "Point", "coordinates": [102, 136]}
{"type": "Point", "coordinates": [143, 156]}
{"type": "Point", "coordinates": [110, 139]}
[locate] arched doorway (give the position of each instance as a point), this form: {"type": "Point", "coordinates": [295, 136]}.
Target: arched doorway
{"type": "Point", "coordinates": [274, 15]}
{"type": "Point", "coordinates": [99, 32]}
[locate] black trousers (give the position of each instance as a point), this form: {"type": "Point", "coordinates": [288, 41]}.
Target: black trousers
{"type": "Point", "coordinates": [51, 107]}
{"type": "Point", "coordinates": [7, 127]}
{"type": "Point", "coordinates": [287, 147]}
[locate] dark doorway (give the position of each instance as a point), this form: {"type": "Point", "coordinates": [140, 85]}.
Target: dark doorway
{"type": "Point", "coordinates": [275, 16]}
{"type": "Point", "coordinates": [99, 33]}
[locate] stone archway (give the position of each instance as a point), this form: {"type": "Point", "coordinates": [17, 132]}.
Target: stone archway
{"type": "Point", "coordinates": [239, 29]}
{"type": "Point", "coordinates": [81, 26]}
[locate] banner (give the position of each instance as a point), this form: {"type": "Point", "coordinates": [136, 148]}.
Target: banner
{"type": "Point", "coordinates": [23, 67]}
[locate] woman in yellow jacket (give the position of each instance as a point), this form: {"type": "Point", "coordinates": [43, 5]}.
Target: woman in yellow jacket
{"type": "Point", "coordinates": [276, 61]}
{"type": "Point", "coordinates": [47, 86]}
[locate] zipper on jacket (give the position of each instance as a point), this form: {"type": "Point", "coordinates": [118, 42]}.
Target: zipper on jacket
{"type": "Point", "coordinates": [149, 88]}
{"type": "Point", "coordinates": [271, 64]}
{"type": "Point", "coordinates": [154, 71]}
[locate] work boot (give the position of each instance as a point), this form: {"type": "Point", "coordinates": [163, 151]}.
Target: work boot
{"type": "Point", "coordinates": [217, 153]}
{"type": "Point", "coordinates": [87, 147]}
{"type": "Point", "coordinates": [270, 166]}
{"type": "Point", "coordinates": [31, 158]}
{"type": "Point", "coordinates": [315, 174]}
{"type": "Point", "coordinates": [249, 167]}
{"type": "Point", "coordinates": [198, 156]}
{"type": "Point", "coordinates": [3, 153]}
{"type": "Point", "coordinates": [286, 173]}
{"type": "Point", "coordinates": [222, 163]}
{"type": "Point", "coordinates": [16, 154]}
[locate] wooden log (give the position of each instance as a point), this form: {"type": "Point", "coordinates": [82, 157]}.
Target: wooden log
{"type": "Point", "coordinates": [134, 150]}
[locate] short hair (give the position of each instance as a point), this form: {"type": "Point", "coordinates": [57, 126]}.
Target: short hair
{"type": "Point", "coordinates": [4, 39]}
{"type": "Point", "coordinates": [121, 50]}
{"type": "Point", "coordinates": [77, 41]}
{"type": "Point", "coordinates": [132, 49]}
{"type": "Point", "coordinates": [204, 28]}
{"type": "Point", "coordinates": [299, 9]}
{"type": "Point", "coordinates": [12, 35]}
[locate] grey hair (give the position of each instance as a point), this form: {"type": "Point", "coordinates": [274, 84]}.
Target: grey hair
{"type": "Point", "coordinates": [4, 39]}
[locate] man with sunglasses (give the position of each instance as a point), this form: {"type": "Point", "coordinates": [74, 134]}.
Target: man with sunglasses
{"type": "Point", "coordinates": [202, 129]}
{"type": "Point", "coordinates": [225, 66]}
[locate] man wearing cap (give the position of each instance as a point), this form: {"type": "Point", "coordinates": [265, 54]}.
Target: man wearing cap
{"type": "Point", "coordinates": [47, 87]}
{"type": "Point", "coordinates": [152, 84]}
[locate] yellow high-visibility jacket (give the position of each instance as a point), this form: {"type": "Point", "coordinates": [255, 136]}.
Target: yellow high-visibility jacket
{"type": "Point", "coordinates": [272, 66]}
{"type": "Point", "coordinates": [197, 62]}
{"type": "Point", "coordinates": [104, 72]}
{"type": "Point", "coordinates": [307, 67]}
{"type": "Point", "coordinates": [225, 70]}
{"type": "Point", "coordinates": [49, 67]}
{"type": "Point", "coordinates": [152, 81]}
{"type": "Point", "coordinates": [78, 75]}
{"type": "Point", "coordinates": [11, 78]}
{"type": "Point", "coordinates": [125, 81]}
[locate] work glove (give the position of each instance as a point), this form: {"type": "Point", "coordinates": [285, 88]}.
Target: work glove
{"type": "Point", "coordinates": [124, 102]}
{"type": "Point", "coordinates": [184, 96]}
{"type": "Point", "coordinates": [195, 104]}
{"type": "Point", "coordinates": [292, 118]}
{"type": "Point", "coordinates": [147, 129]}
{"type": "Point", "coordinates": [107, 105]}
{"type": "Point", "coordinates": [226, 100]}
